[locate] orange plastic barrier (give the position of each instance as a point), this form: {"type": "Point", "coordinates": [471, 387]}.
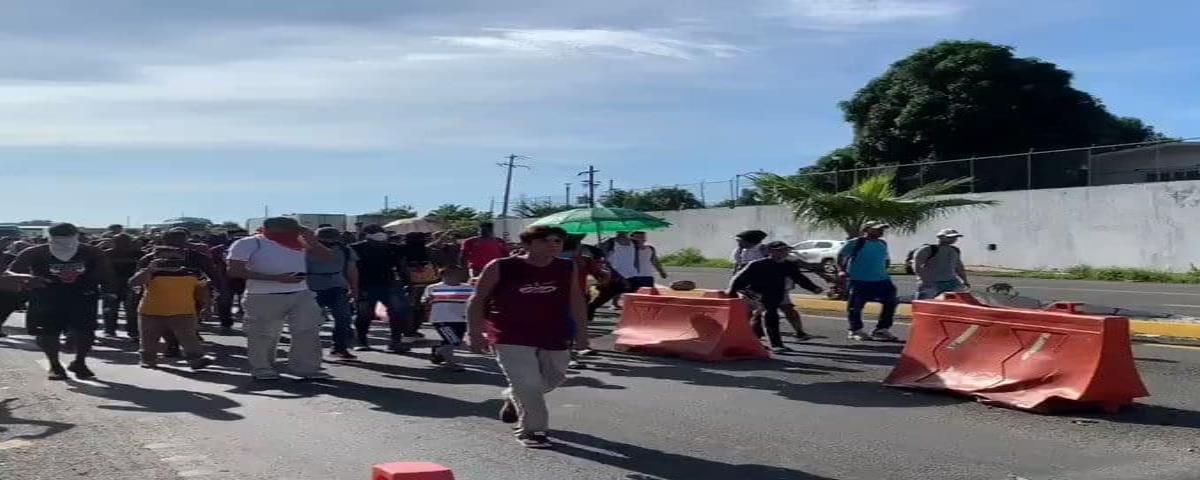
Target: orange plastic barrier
{"type": "Point", "coordinates": [710, 328]}
{"type": "Point", "coordinates": [1040, 360]}
{"type": "Point", "coordinates": [411, 471]}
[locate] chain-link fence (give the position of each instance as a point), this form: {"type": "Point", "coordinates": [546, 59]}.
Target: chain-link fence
{"type": "Point", "coordinates": [1171, 160]}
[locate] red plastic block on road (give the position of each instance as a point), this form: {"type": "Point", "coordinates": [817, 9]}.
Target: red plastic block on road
{"type": "Point", "coordinates": [1041, 360]}
{"type": "Point", "coordinates": [411, 471]}
{"type": "Point", "coordinates": [710, 328]}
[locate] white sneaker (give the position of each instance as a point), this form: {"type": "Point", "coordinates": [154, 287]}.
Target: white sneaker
{"type": "Point", "coordinates": [858, 335]}
{"type": "Point", "coordinates": [883, 335]}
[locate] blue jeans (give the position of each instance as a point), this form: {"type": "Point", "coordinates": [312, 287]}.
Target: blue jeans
{"type": "Point", "coordinates": [395, 299]}
{"type": "Point", "coordinates": [883, 292]}
{"type": "Point", "coordinates": [337, 302]}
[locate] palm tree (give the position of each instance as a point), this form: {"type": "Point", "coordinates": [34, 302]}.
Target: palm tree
{"type": "Point", "coordinates": [872, 199]}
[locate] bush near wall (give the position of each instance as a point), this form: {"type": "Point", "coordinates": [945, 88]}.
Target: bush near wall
{"type": "Point", "coordinates": [691, 257]}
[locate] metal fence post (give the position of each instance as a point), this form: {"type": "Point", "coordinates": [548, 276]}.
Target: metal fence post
{"type": "Point", "coordinates": [732, 192]}
{"type": "Point", "coordinates": [1029, 170]}
{"type": "Point", "coordinates": [1089, 166]}
{"type": "Point", "coordinates": [971, 166]}
{"type": "Point", "coordinates": [1157, 164]}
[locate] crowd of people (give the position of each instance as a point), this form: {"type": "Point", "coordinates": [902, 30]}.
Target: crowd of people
{"type": "Point", "coordinates": [528, 303]}
{"type": "Point", "coordinates": [528, 298]}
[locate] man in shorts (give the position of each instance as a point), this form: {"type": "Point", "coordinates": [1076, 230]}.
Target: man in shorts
{"type": "Point", "coordinates": [68, 301]}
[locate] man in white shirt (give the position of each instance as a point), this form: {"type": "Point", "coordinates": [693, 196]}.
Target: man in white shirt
{"type": "Point", "coordinates": [274, 264]}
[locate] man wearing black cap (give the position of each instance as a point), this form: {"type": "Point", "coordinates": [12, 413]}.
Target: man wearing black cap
{"type": "Point", "coordinates": [73, 274]}
{"type": "Point", "coordinates": [749, 248]}
{"type": "Point", "coordinates": [766, 279]}
{"type": "Point", "coordinates": [383, 278]}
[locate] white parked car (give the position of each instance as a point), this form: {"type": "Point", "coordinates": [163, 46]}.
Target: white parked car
{"type": "Point", "coordinates": [822, 252]}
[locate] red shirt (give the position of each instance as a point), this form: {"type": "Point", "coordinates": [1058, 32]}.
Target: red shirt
{"type": "Point", "coordinates": [479, 251]}
{"type": "Point", "coordinates": [531, 305]}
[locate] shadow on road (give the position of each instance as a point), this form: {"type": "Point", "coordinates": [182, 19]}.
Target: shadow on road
{"type": "Point", "coordinates": [150, 400]}
{"type": "Point", "coordinates": [1143, 414]}
{"type": "Point", "coordinates": [658, 465]}
{"type": "Point", "coordinates": [7, 420]}
{"type": "Point", "coordinates": [848, 393]}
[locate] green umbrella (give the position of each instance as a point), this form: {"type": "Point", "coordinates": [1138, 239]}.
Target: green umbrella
{"type": "Point", "coordinates": [602, 220]}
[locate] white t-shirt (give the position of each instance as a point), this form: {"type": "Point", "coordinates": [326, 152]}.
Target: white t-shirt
{"type": "Point", "coordinates": [623, 261]}
{"type": "Point", "coordinates": [267, 257]}
{"type": "Point", "coordinates": [447, 303]}
{"type": "Point", "coordinates": [645, 263]}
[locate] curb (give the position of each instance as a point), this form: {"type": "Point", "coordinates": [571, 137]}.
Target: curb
{"type": "Point", "coordinates": [1146, 328]}
{"type": "Point", "coordinates": [1158, 329]}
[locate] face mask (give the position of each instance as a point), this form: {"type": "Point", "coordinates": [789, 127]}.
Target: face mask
{"type": "Point", "coordinates": [64, 248]}
{"type": "Point", "coordinates": [378, 237]}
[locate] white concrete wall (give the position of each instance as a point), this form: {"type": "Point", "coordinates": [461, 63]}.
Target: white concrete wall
{"type": "Point", "coordinates": [1151, 225]}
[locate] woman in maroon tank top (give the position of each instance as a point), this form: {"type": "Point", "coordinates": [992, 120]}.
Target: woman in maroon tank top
{"type": "Point", "coordinates": [534, 310]}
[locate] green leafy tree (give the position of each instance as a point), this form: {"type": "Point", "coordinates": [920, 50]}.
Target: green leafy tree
{"type": "Point", "coordinates": [396, 213]}
{"type": "Point", "coordinates": [658, 199]}
{"type": "Point", "coordinates": [874, 198]}
{"type": "Point", "coordinates": [450, 212]}
{"type": "Point", "coordinates": [539, 209]}
{"type": "Point", "coordinates": [959, 99]}
{"type": "Point", "coordinates": [748, 197]}
{"type": "Point", "coordinates": [230, 225]}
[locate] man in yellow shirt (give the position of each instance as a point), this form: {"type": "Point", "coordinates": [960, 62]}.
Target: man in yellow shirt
{"type": "Point", "coordinates": [173, 295]}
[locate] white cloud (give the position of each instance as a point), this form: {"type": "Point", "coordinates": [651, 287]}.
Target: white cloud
{"type": "Point", "coordinates": [856, 14]}
{"type": "Point", "coordinates": [599, 42]}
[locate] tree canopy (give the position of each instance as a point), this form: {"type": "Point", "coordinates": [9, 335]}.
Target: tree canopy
{"type": "Point", "coordinates": [539, 209]}
{"type": "Point", "coordinates": [657, 199]}
{"type": "Point", "coordinates": [399, 212]}
{"type": "Point", "coordinates": [959, 99]}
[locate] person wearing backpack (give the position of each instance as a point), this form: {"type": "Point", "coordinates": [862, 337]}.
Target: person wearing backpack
{"type": "Point", "coordinates": [938, 267]}
{"type": "Point", "coordinates": [864, 261]}
{"type": "Point", "coordinates": [335, 282]}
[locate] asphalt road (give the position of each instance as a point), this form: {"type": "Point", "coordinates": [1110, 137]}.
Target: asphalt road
{"type": "Point", "coordinates": [818, 414]}
{"type": "Point", "coordinates": [1146, 297]}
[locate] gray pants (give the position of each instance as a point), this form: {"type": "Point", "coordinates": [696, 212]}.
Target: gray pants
{"type": "Point", "coordinates": [532, 373]}
{"type": "Point", "coordinates": [265, 317]}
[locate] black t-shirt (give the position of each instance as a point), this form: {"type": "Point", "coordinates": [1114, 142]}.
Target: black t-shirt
{"type": "Point", "coordinates": [124, 261]}
{"type": "Point", "coordinates": [379, 263]}
{"type": "Point", "coordinates": [79, 276]}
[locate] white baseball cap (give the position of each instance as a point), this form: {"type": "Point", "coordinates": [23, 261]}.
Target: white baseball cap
{"type": "Point", "coordinates": [948, 233]}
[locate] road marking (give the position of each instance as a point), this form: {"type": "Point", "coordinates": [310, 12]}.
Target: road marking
{"type": "Point", "coordinates": [1036, 347]}
{"type": "Point", "coordinates": [1167, 345]}
{"type": "Point", "coordinates": [184, 458]}
{"type": "Point", "coordinates": [1180, 305]}
{"type": "Point", "coordinates": [1101, 290]}
{"type": "Point", "coordinates": [15, 443]}
{"type": "Point", "coordinates": [966, 335]}
{"type": "Point", "coordinates": [195, 473]}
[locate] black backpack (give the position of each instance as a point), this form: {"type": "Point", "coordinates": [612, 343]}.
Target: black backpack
{"type": "Point", "coordinates": [910, 267]}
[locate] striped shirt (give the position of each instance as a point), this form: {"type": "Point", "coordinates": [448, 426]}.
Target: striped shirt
{"type": "Point", "coordinates": [447, 303]}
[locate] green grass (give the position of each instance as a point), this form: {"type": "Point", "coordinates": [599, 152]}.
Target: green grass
{"type": "Point", "coordinates": [1109, 274]}
{"type": "Point", "coordinates": [691, 257]}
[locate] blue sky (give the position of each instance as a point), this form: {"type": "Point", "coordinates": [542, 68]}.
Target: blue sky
{"type": "Point", "coordinates": [149, 109]}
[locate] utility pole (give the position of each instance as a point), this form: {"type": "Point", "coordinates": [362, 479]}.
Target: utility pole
{"type": "Point", "coordinates": [386, 203]}
{"type": "Point", "coordinates": [591, 184]}
{"type": "Point", "coordinates": [568, 197]}
{"type": "Point", "coordinates": [610, 187]}
{"type": "Point", "coordinates": [492, 207]}
{"type": "Point", "coordinates": [510, 164]}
